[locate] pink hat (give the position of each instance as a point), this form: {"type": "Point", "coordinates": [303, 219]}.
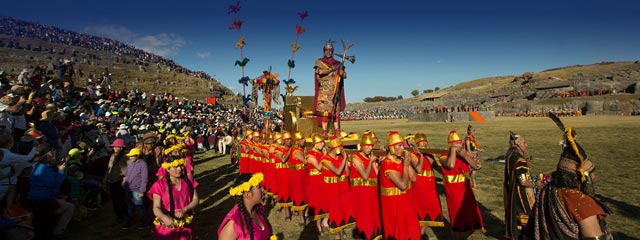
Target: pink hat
{"type": "Point", "coordinates": [117, 143]}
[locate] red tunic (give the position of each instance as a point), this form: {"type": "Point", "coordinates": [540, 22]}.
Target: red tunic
{"type": "Point", "coordinates": [318, 207]}
{"type": "Point", "coordinates": [282, 184]}
{"type": "Point", "coordinates": [244, 157]}
{"type": "Point", "coordinates": [339, 195]}
{"type": "Point", "coordinates": [298, 180]}
{"type": "Point", "coordinates": [366, 207]}
{"type": "Point", "coordinates": [271, 182]}
{"type": "Point", "coordinates": [426, 197]}
{"type": "Point", "coordinates": [464, 212]}
{"type": "Point", "coordinates": [399, 219]}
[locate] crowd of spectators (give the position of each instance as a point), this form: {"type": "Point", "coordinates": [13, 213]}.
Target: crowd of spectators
{"type": "Point", "coordinates": [19, 28]}
{"type": "Point", "coordinates": [82, 124]}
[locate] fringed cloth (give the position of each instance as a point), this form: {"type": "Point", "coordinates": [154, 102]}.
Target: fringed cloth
{"type": "Point", "coordinates": [550, 219]}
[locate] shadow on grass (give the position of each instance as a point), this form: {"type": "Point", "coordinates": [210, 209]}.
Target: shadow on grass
{"type": "Point", "coordinates": [627, 210]}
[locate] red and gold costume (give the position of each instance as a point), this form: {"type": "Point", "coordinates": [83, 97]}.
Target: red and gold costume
{"type": "Point", "coordinates": [399, 219]}
{"type": "Point", "coordinates": [298, 180]}
{"type": "Point", "coordinates": [464, 212]}
{"type": "Point", "coordinates": [244, 156]}
{"type": "Point", "coordinates": [325, 89]}
{"type": "Point", "coordinates": [282, 173]}
{"type": "Point", "coordinates": [426, 197]}
{"type": "Point", "coordinates": [338, 195]}
{"type": "Point", "coordinates": [366, 207]}
{"type": "Point", "coordinates": [318, 207]}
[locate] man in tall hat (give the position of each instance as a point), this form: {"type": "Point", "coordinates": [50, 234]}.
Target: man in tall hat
{"type": "Point", "coordinates": [338, 191]}
{"type": "Point", "coordinates": [471, 145]}
{"type": "Point", "coordinates": [399, 218]}
{"type": "Point", "coordinates": [425, 195]}
{"type": "Point", "coordinates": [464, 213]}
{"type": "Point", "coordinates": [298, 177]}
{"type": "Point", "coordinates": [566, 207]}
{"type": "Point", "coordinates": [363, 175]}
{"type": "Point", "coordinates": [518, 188]}
{"type": "Point", "coordinates": [326, 71]}
{"type": "Point", "coordinates": [318, 207]}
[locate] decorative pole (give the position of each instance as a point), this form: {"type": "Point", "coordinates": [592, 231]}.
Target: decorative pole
{"type": "Point", "coordinates": [237, 25]}
{"type": "Point", "coordinates": [294, 48]}
{"type": "Point", "coordinates": [269, 85]}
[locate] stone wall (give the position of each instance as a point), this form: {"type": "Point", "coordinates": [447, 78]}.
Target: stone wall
{"type": "Point", "coordinates": [450, 116]}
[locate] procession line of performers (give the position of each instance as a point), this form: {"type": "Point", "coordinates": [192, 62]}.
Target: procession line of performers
{"type": "Point", "coordinates": [390, 197]}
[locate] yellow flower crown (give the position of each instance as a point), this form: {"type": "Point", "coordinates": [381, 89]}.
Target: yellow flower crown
{"type": "Point", "coordinates": [246, 186]}
{"type": "Point", "coordinates": [173, 148]}
{"type": "Point", "coordinates": [174, 163]}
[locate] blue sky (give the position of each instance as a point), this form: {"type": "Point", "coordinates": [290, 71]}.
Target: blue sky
{"type": "Point", "coordinates": [400, 45]}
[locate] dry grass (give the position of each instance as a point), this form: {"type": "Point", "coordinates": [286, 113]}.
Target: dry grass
{"type": "Point", "coordinates": [611, 141]}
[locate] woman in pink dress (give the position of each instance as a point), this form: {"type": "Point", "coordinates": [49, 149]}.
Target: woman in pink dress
{"type": "Point", "coordinates": [174, 199]}
{"type": "Point", "coordinates": [247, 219]}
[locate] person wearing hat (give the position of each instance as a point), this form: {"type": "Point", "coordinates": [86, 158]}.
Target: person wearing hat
{"type": "Point", "coordinates": [424, 193]}
{"type": "Point", "coordinates": [49, 130]}
{"type": "Point", "coordinates": [51, 215]}
{"type": "Point", "coordinates": [399, 218]}
{"type": "Point", "coordinates": [247, 219]}
{"type": "Point", "coordinates": [135, 185]}
{"type": "Point", "coordinates": [113, 179]}
{"type": "Point", "coordinates": [471, 145]}
{"type": "Point", "coordinates": [566, 208]}
{"type": "Point", "coordinates": [74, 173]}
{"type": "Point", "coordinates": [124, 134]}
{"type": "Point", "coordinates": [298, 174]}
{"type": "Point", "coordinates": [464, 213]}
{"type": "Point", "coordinates": [326, 71]}
{"type": "Point", "coordinates": [318, 206]}
{"type": "Point", "coordinates": [518, 189]}
{"type": "Point", "coordinates": [174, 202]}
{"type": "Point", "coordinates": [336, 180]}
{"type": "Point", "coordinates": [363, 175]}
{"type": "Point", "coordinates": [282, 173]}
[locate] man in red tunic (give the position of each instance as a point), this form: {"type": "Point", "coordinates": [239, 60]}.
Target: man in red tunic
{"type": "Point", "coordinates": [318, 208]}
{"type": "Point", "coordinates": [244, 152]}
{"type": "Point", "coordinates": [338, 191]}
{"type": "Point", "coordinates": [298, 175]}
{"type": "Point", "coordinates": [399, 219]}
{"type": "Point", "coordinates": [363, 174]}
{"type": "Point", "coordinates": [464, 213]}
{"type": "Point", "coordinates": [425, 195]}
{"type": "Point", "coordinates": [327, 70]}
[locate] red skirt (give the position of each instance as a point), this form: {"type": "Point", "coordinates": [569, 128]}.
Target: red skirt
{"type": "Point", "coordinates": [399, 219]}
{"type": "Point", "coordinates": [318, 207]}
{"type": "Point", "coordinates": [366, 210]}
{"type": "Point", "coordinates": [298, 182]}
{"type": "Point", "coordinates": [340, 205]}
{"type": "Point", "coordinates": [427, 202]}
{"type": "Point", "coordinates": [284, 192]}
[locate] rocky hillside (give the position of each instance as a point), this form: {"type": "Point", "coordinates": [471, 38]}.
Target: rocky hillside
{"type": "Point", "coordinates": [599, 88]}
{"type": "Point", "coordinates": [27, 45]}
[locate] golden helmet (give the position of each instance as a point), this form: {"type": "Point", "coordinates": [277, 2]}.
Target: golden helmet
{"type": "Point", "coordinates": [335, 142]}
{"type": "Point", "coordinates": [370, 133]}
{"type": "Point", "coordinates": [256, 134]}
{"type": "Point", "coordinates": [286, 135]}
{"type": "Point", "coordinates": [316, 138]}
{"type": "Point", "coordinates": [248, 132]}
{"type": "Point", "coordinates": [277, 136]}
{"type": "Point", "coordinates": [297, 135]}
{"type": "Point", "coordinates": [420, 137]}
{"type": "Point", "coordinates": [409, 136]}
{"type": "Point", "coordinates": [394, 138]}
{"type": "Point", "coordinates": [366, 140]}
{"type": "Point", "coordinates": [453, 137]}
{"type": "Point", "coordinates": [343, 134]}
{"type": "Point", "coordinates": [265, 136]}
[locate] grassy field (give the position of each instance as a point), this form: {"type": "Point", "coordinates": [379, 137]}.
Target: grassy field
{"type": "Point", "coordinates": [609, 140]}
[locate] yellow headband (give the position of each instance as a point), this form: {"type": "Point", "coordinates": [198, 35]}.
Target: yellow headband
{"type": "Point", "coordinates": [178, 146]}
{"type": "Point", "coordinates": [246, 186]}
{"type": "Point", "coordinates": [174, 163]}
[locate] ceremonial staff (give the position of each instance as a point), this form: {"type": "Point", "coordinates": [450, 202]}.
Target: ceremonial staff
{"type": "Point", "coordinates": [337, 91]}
